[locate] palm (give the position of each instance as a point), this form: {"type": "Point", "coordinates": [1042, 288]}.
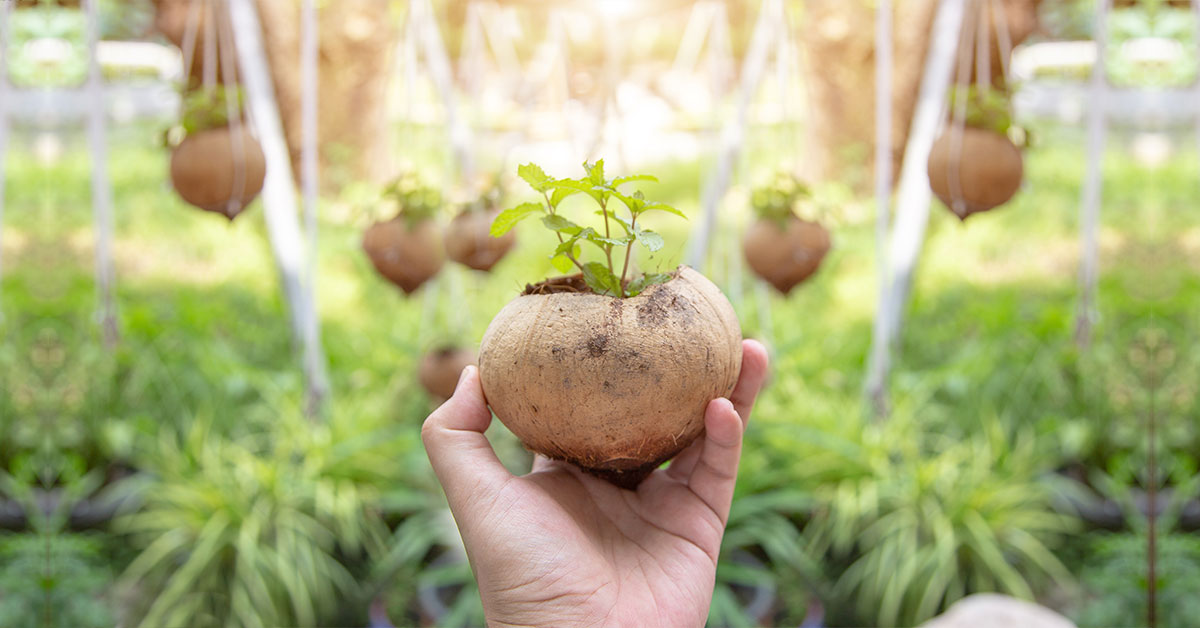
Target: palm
{"type": "Point", "coordinates": [557, 547]}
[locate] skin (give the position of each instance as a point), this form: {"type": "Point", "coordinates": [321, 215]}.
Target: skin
{"type": "Point", "coordinates": [557, 547]}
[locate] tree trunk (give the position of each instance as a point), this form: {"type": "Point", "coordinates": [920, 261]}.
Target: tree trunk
{"type": "Point", "coordinates": [357, 38]}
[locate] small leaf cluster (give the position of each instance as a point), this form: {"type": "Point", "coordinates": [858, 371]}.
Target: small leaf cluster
{"type": "Point", "coordinates": [776, 201]}
{"type": "Point", "coordinates": [205, 109]}
{"type": "Point", "coordinates": [486, 195]}
{"type": "Point", "coordinates": [987, 109]}
{"type": "Point", "coordinates": [600, 276]}
{"type": "Point", "coordinates": [414, 199]}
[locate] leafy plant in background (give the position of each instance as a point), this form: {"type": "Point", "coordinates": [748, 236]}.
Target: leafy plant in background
{"type": "Point", "coordinates": [1116, 581]}
{"type": "Point", "coordinates": [601, 277]}
{"type": "Point", "coordinates": [919, 526]}
{"type": "Point", "coordinates": [53, 579]}
{"type": "Point", "coordinates": [271, 532]}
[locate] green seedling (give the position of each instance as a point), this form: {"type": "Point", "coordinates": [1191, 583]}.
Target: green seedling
{"type": "Point", "coordinates": [600, 276]}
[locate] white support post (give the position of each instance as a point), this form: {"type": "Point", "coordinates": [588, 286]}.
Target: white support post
{"type": "Point", "coordinates": [438, 62]}
{"type": "Point", "coordinates": [5, 7]}
{"type": "Point", "coordinates": [279, 195]}
{"type": "Point", "coordinates": [878, 364]}
{"type": "Point", "coordinates": [314, 360]}
{"type": "Point", "coordinates": [913, 195]}
{"type": "Point", "coordinates": [770, 17]}
{"type": "Point", "coordinates": [101, 188]}
{"type": "Point", "coordinates": [1089, 212]}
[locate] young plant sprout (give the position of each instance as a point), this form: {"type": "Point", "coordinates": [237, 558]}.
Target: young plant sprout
{"type": "Point", "coordinates": [600, 276]}
{"type": "Point", "coordinates": [608, 369]}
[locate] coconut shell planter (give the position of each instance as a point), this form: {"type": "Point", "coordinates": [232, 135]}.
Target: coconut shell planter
{"type": "Point", "coordinates": [407, 249]}
{"type": "Point", "coordinates": [218, 170]}
{"type": "Point", "coordinates": [440, 369]}
{"type": "Point", "coordinates": [974, 170]}
{"type": "Point", "coordinates": [469, 243]}
{"type": "Point", "coordinates": [780, 247]}
{"type": "Point", "coordinates": [608, 374]}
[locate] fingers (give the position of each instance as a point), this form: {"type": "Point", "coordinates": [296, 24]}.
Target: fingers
{"type": "Point", "coordinates": [461, 455]}
{"type": "Point", "coordinates": [715, 471]}
{"type": "Point", "coordinates": [750, 381]}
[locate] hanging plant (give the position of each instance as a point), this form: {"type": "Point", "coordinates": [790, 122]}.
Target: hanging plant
{"type": "Point", "coordinates": [407, 249]}
{"type": "Point", "coordinates": [439, 370]}
{"type": "Point", "coordinates": [218, 166]}
{"type": "Point", "coordinates": [974, 166]}
{"type": "Point", "coordinates": [468, 240]}
{"type": "Point", "coordinates": [781, 247]}
{"type": "Point", "coordinates": [608, 369]}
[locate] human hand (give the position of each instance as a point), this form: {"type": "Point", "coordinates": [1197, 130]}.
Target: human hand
{"type": "Point", "coordinates": [558, 547]}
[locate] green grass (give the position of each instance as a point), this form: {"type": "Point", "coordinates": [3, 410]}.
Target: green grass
{"type": "Point", "coordinates": [987, 341]}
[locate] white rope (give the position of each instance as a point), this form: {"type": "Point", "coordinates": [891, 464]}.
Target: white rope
{"type": "Point", "coordinates": [209, 71]}
{"type": "Point", "coordinates": [983, 52]}
{"type": "Point", "coordinates": [1090, 206]}
{"type": "Point", "coordinates": [101, 189]}
{"type": "Point", "coordinates": [1003, 39]}
{"type": "Point", "coordinates": [188, 45]}
{"type": "Point", "coordinates": [5, 7]}
{"type": "Point", "coordinates": [880, 350]}
{"type": "Point", "coordinates": [958, 120]}
{"type": "Point", "coordinates": [233, 112]}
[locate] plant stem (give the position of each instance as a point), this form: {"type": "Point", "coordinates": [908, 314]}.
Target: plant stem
{"type": "Point", "coordinates": [628, 252]}
{"type": "Point", "coordinates": [608, 247]}
{"type": "Point", "coordinates": [560, 237]}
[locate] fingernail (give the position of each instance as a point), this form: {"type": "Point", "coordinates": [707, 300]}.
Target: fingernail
{"type": "Point", "coordinates": [462, 377]}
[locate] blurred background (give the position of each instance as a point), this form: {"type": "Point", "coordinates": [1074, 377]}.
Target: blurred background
{"type": "Point", "coordinates": [164, 461]}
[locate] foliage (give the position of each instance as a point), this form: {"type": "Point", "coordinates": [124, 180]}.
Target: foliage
{"type": "Point", "coordinates": [920, 523]}
{"type": "Point", "coordinates": [1116, 581]}
{"type": "Point", "coordinates": [413, 198]}
{"type": "Point", "coordinates": [777, 200]}
{"type": "Point", "coordinates": [53, 579]}
{"type": "Point", "coordinates": [209, 108]}
{"type": "Point", "coordinates": [600, 277]}
{"type": "Point", "coordinates": [263, 532]}
{"type": "Point", "coordinates": [486, 195]}
{"type": "Point", "coordinates": [986, 109]}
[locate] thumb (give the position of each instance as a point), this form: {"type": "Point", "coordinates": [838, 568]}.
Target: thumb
{"type": "Point", "coordinates": [461, 455]}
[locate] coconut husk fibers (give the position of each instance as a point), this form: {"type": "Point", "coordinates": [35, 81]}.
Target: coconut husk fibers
{"type": "Point", "coordinates": [989, 170]}
{"type": "Point", "coordinates": [469, 242]}
{"type": "Point", "coordinates": [785, 254]}
{"type": "Point", "coordinates": [406, 254]}
{"type": "Point", "coordinates": [614, 386]}
{"type": "Point", "coordinates": [439, 370]}
{"type": "Point", "coordinates": [208, 173]}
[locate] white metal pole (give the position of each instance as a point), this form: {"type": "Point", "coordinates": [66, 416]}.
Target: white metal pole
{"type": "Point", "coordinates": [101, 188]}
{"type": "Point", "coordinates": [913, 195]}
{"type": "Point", "coordinates": [279, 196]}
{"type": "Point", "coordinates": [1089, 212]}
{"type": "Point", "coordinates": [878, 364]}
{"type": "Point", "coordinates": [314, 362]}
{"type": "Point", "coordinates": [734, 133]}
{"type": "Point", "coordinates": [443, 79]}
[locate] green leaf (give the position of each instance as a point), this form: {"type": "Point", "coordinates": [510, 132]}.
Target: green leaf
{"type": "Point", "coordinates": [561, 193]}
{"type": "Point", "coordinates": [595, 172]}
{"type": "Point", "coordinates": [635, 177]}
{"type": "Point", "coordinates": [535, 177]}
{"type": "Point", "coordinates": [635, 202]}
{"type": "Point", "coordinates": [554, 222]}
{"type": "Point", "coordinates": [650, 240]}
{"type": "Point", "coordinates": [573, 186]}
{"type": "Point", "coordinates": [655, 205]}
{"type": "Point", "coordinates": [645, 281]}
{"type": "Point", "coordinates": [508, 218]}
{"type": "Point", "coordinates": [562, 263]}
{"type": "Point", "coordinates": [595, 238]}
{"type": "Point", "coordinates": [600, 279]}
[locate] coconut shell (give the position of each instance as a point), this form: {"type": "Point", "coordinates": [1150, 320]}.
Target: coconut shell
{"type": "Point", "coordinates": [439, 370]}
{"type": "Point", "coordinates": [785, 255]}
{"type": "Point", "coordinates": [614, 386]}
{"type": "Point", "coordinates": [407, 255]}
{"type": "Point", "coordinates": [469, 242]}
{"type": "Point", "coordinates": [988, 170]}
{"type": "Point", "coordinates": [208, 173]}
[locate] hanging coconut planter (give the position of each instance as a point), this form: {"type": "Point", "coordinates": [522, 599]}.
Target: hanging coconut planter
{"type": "Point", "coordinates": [440, 369]}
{"type": "Point", "coordinates": [468, 240]}
{"type": "Point", "coordinates": [609, 372]}
{"type": "Point", "coordinates": [407, 250]}
{"type": "Point", "coordinates": [780, 247]}
{"type": "Point", "coordinates": [973, 166]}
{"type": "Point", "coordinates": [218, 166]}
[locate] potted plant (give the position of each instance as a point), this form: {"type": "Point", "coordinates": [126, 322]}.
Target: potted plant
{"type": "Point", "coordinates": [975, 167]}
{"type": "Point", "coordinates": [781, 247]}
{"type": "Point", "coordinates": [468, 240]}
{"type": "Point", "coordinates": [407, 249]}
{"type": "Point", "coordinates": [215, 167]}
{"type": "Point", "coordinates": [438, 370]}
{"type": "Point", "coordinates": [608, 369]}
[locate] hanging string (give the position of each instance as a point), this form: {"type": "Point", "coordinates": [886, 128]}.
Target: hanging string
{"type": "Point", "coordinates": [1003, 39]}
{"type": "Point", "coordinates": [958, 120]}
{"type": "Point", "coordinates": [209, 71]}
{"type": "Point", "coordinates": [191, 30]}
{"type": "Point", "coordinates": [983, 53]}
{"type": "Point", "coordinates": [233, 111]}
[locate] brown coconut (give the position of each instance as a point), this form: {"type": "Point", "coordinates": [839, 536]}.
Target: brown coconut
{"type": "Point", "coordinates": [469, 242]}
{"type": "Point", "coordinates": [440, 369]}
{"type": "Point", "coordinates": [406, 254]}
{"type": "Point", "coordinates": [987, 170]}
{"type": "Point", "coordinates": [213, 173]}
{"type": "Point", "coordinates": [614, 386]}
{"type": "Point", "coordinates": [785, 255]}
